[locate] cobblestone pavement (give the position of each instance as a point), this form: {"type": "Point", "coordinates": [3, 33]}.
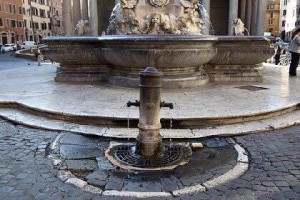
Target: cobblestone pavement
{"type": "Point", "coordinates": [26, 173]}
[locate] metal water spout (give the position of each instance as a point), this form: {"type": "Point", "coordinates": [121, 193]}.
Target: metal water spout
{"type": "Point", "coordinates": [149, 140]}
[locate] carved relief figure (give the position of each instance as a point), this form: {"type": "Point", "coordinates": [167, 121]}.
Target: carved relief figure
{"type": "Point", "coordinates": [126, 17]}
{"type": "Point", "coordinates": [159, 3]}
{"type": "Point", "coordinates": [82, 28]}
{"type": "Point", "coordinates": [238, 27]}
{"type": "Point", "coordinates": [128, 3]}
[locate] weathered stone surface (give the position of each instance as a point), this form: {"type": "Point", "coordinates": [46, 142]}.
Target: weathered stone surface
{"type": "Point", "coordinates": [79, 152]}
{"type": "Point", "coordinates": [142, 185]}
{"type": "Point", "coordinates": [104, 164]}
{"type": "Point", "coordinates": [80, 140]}
{"type": "Point", "coordinates": [81, 165]}
{"type": "Point", "coordinates": [97, 178]}
{"type": "Point", "coordinates": [115, 182]}
{"type": "Point", "coordinates": [169, 184]}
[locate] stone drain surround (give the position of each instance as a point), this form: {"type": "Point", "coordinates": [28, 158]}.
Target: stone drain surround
{"type": "Point", "coordinates": [80, 161]}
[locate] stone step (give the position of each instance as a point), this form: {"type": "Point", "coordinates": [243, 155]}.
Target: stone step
{"type": "Point", "coordinates": [177, 122]}
{"type": "Point", "coordinates": [30, 119]}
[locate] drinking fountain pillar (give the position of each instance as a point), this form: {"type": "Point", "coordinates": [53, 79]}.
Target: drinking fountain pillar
{"type": "Point", "coordinates": [149, 140]}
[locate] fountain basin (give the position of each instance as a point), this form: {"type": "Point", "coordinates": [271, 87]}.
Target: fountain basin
{"type": "Point", "coordinates": [79, 57]}
{"type": "Point", "coordinates": [186, 61]}
{"type": "Point", "coordinates": [180, 58]}
{"type": "Point", "coordinates": [238, 58]}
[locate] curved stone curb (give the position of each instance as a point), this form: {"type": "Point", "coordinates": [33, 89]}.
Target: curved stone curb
{"type": "Point", "coordinates": [28, 56]}
{"type": "Point", "coordinates": [94, 121]}
{"type": "Point", "coordinates": [136, 194]}
{"type": "Point", "coordinates": [234, 173]}
{"type": "Point", "coordinates": [239, 169]}
{"type": "Point", "coordinates": [189, 190]}
{"type": "Point", "coordinates": [40, 122]}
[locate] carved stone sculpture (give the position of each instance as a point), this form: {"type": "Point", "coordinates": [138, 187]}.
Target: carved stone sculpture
{"type": "Point", "coordinates": [82, 28]}
{"type": "Point", "coordinates": [238, 27]}
{"type": "Point", "coordinates": [156, 17]}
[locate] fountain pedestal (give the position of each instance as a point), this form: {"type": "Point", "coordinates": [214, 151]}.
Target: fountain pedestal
{"type": "Point", "coordinates": [149, 142]}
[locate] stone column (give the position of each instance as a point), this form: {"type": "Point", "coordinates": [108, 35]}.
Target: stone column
{"type": "Point", "coordinates": [254, 17]}
{"type": "Point", "coordinates": [233, 13]}
{"type": "Point", "coordinates": [85, 10]}
{"type": "Point", "coordinates": [248, 15]}
{"type": "Point", "coordinates": [67, 17]}
{"type": "Point", "coordinates": [261, 17]}
{"type": "Point", "coordinates": [206, 5]}
{"type": "Point", "coordinates": [76, 11]}
{"type": "Point", "coordinates": [93, 17]}
{"type": "Point", "coordinates": [243, 10]}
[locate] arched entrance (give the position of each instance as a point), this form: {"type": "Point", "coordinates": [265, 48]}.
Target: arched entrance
{"type": "Point", "coordinates": [4, 38]}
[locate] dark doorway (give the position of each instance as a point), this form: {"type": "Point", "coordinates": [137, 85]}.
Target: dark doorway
{"type": "Point", "coordinates": [105, 8]}
{"type": "Point", "coordinates": [13, 39]}
{"type": "Point", "coordinates": [4, 38]}
{"type": "Point", "coordinates": [219, 14]}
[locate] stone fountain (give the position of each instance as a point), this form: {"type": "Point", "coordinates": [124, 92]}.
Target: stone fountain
{"type": "Point", "coordinates": [165, 34]}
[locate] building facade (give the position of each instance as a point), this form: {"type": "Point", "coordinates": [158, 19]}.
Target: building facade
{"type": "Point", "coordinates": [288, 18]}
{"type": "Point", "coordinates": [273, 16]}
{"type": "Point", "coordinates": [11, 21]}
{"type": "Point", "coordinates": [42, 18]}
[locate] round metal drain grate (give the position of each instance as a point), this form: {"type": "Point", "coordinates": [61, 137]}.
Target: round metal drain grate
{"type": "Point", "coordinates": [173, 155]}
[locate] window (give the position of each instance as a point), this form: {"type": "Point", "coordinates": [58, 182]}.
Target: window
{"type": "Point", "coordinates": [13, 23]}
{"type": "Point", "coordinates": [42, 13]}
{"type": "Point", "coordinates": [271, 15]}
{"type": "Point", "coordinates": [271, 22]}
{"type": "Point", "coordinates": [271, 6]}
{"type": "Point", "coordinates": [1, 22]}
{"type": "Point", "coordinates": [44, 26]}
{"type": "Point", "coordinates": [284, 13]}
{"type": "Point", "coordinates": [10, 9]}
{"type": "Point", "coordinates": [25, 23]}
{"type": "Point", "coordinates": [283, 23]}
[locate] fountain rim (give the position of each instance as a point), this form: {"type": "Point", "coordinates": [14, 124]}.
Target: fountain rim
{"type": "Point", "coordinates": [157, 38]}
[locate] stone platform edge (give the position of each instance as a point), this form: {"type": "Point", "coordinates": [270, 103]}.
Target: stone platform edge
{"type": "Point", "coordinates": [178, 123]}
{"type": "Point", "coordinates": [10, 111]}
